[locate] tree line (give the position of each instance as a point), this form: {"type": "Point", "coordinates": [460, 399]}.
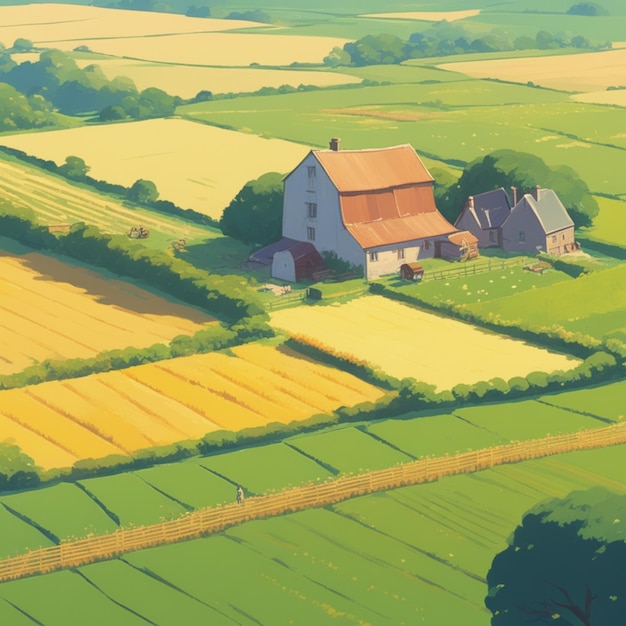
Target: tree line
{"type": "Point", "coordinates": [448, 38]}
{"type": "Point", "coordinates": [56, 81]}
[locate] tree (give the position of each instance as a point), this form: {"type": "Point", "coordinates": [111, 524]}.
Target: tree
{"type": "Point", "coordinates": [22, 45]}
{"type": "Point", "coordinates": [564, 565]}
{"type": "Point", "coordinates": [587, 8]}
{"type": "Point", "coordinates": [337, 56]}
{"type": "Point", "coordinates": [74, 168]}
{"type": "Point", "coordinates": [256, 213]}
{"type": "Point", "coordinates": [509, 168]}
{"type": "Point", "coordinates": [143, 192]}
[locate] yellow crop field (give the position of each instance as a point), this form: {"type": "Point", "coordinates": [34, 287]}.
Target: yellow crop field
{"type": "Point", "coordinates": [589, 71]}
{"type": "Point", "coordinates": [186, 80]}
{"type": "Point", "coordinates": [57, 201]}
{"type": "Point", "coordinates": [52, 23]}
{"type": "Point", "coordinates": [213, 48]}
{"type": "Point", "coordinates": [51, 310]}
{"type": "Point", "coordinates": [427, 16]}
{"type": "Point", "coordinates": [122, 153]}
{"type": "Point", "coordinates": [160, 403]}
{"type": "Point", "coordinates": [615, 97]}
{"type": "Point", "coordinates": [404, 341]}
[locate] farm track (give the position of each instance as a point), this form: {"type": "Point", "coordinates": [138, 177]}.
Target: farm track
{"type": "Point", "coordinates": [212, 520]}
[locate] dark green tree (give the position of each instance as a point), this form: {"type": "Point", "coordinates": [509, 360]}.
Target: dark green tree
{"type": "Point", "coordinates": [509, 168]}
{"type": "Point", "coordinates": [256, 213]}
{"type": "Point", "coordinates": [590, 9]}
{"type": "Point", "coordinates": [143, 191]}
{"type": "Point", "coordinates": [22, 45]}
{"type": "Point", "coordinates": [74, 168]}
{"type": "Point", "coordinates": [564, 565]}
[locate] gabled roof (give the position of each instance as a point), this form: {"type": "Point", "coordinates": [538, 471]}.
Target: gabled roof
{"type": "Point", "coordinates": [492, 208]}
{"type": "Point", "coordinates": [549, 210]}
{"type": "Point", "coordinates": [354, 171]}
{"type": "Point", "coordinates": [379, 218]}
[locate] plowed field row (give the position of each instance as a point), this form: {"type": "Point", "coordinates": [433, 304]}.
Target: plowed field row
{"type": "Point", "coordinates": [161, 403]}
{"type": "Point", "coordinates": [52, 310]}
{"type": "Point", "coordinates": [56, 201]}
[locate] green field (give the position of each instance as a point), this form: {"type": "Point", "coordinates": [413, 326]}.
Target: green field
{"type": "Point", "coordinates": [593, 304]}
{"type": "Point", "coordinates": [99, 505]}
{"type": "Point", "coordinates": [412, 555]}
{"type": "Point", "coordinates": [476, 288]}
{"type": "Point", "coordinates": [453, 122]}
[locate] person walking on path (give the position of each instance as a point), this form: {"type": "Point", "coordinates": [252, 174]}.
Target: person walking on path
{"type": "Point", "coordinates": [239, 495]}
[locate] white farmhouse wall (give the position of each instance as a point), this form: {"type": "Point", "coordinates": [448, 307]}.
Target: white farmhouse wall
{"type": "Point", "coordinates": [388, 261]}
{"type": "Point", "coordinates": [330, 232]}
{"type": "Point", "coordinates": [283, 266]}
{"type": "Point", "coordinates": [523, 219]}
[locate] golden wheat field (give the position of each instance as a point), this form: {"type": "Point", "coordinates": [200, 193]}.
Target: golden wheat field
{"type": "Point", "coordinates": [589, 71]}
{"type": "Point", "coordinates": [60, 422]}
{"type": "Point", "coordinates": [403, 341]}
{"type": "Point", "coordinates": [616, 97]}
{"type": "Point", "coordinates": [57, 201]}
{"type": "Point", "coordinates": [427, 16]}
{"type": "Point", "coordinates": [186, 81]}
{"type": "Point", "coordinates": [53, 310]}
{"type": "Point", "coordinates": [213, 48]}
{"type": "Point", "coordinates": [194, 165]}
{"type": "Point", "coordinates": [51, 24]}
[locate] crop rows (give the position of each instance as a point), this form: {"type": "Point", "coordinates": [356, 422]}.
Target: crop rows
{"type": "Point", "coordinates": [161, 403]}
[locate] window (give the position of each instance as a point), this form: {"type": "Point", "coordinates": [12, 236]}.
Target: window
{"type": "Point", "coordinates": [310, 233]}
{"type": "Point", "coordinates": [563, 237]}
{"type": "Point", "coordinates": [311, 178]}
{"type": "Point", "coordinates": [553, 238]}
{"type": "Point", "coordinates": [492, 236]}
{"type": "Point", "coordinates": [311, 210]}
{"type": "Point", "coordinates": [427, 245]}
{"type": "Point", "coordinates": [373, 256]}
{"type": "Point", "coordinates": [400, 254]}
{"type": "Point", "coordinates": [521, 236]}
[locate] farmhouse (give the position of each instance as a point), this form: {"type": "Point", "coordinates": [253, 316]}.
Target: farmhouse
{"type": "Point", "coordinates": [373, 208]}
{"type": "Point", "coordinates": [538, 222]}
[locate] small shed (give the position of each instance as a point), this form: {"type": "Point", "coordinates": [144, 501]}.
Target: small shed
{"type": "Point", "coordinates": [411, 271]}
{"type": "Point", "coordinates": [298, 261]}
{"type": "Point", "coordinates": [459, 246]}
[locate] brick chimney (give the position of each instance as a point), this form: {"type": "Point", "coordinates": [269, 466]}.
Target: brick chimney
{"type": "Point", "coordinates": [535, 192]}
{"type": "Point", "coordinates": [335, 144]}
{"type": "Point", "coordinates": [470, 202]}
{"type": "Point", "coordinates": [514, 190]}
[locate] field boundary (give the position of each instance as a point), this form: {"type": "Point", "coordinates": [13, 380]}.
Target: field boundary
{"type": "Point", "coordinates": [211, 520]}
{"type": "Point", "coordinates": [470, 269]}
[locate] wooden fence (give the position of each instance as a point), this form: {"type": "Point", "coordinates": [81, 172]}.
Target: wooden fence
{"type": "Point", "coordinates": [211, 520]}
{"type": "Point", "coordinates": [475, 267]}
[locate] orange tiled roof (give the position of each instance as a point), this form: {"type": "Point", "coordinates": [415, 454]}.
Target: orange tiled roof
{"type": "Point", "coordinates": [370, 170]}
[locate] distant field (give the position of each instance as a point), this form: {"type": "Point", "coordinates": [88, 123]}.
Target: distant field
{"type": "Point", "coordinates": [186, 80]}
{"type": "Point", "coordinates": [449, 16]}
{"type": "Point", "coordinates": [57, 201]}
{"type": "Point", "coordinates": [196, 166]}
{"type": "Point", "coordinates": [614, 97]}
{"type": "Point", "coordinates": [213, 48]}
{"type": "Point", "coordinates": [52, 24]}
{"type": "Point", "coordinates": [581, 72]}
{"type": "Point", "coordinates": [404, 341]}
{"type": "Point", "coordinates": [455, 122]}
{"type": "Point", "coordinates": [160, 403]}
{"type": "Point", "coordinates": [594, 304]}
{"type": "Point", "coordinates": [53, 310]}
